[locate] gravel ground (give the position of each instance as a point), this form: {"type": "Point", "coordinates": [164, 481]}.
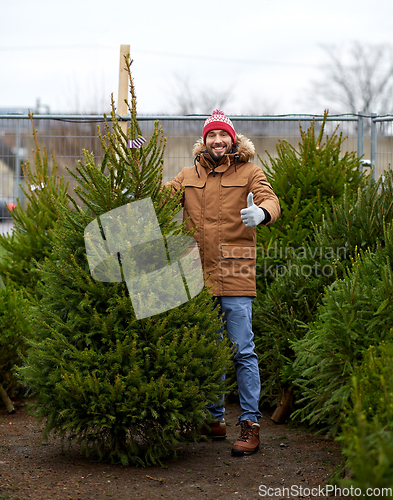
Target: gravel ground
{"type": "Point", "coordinates": [291, 463]}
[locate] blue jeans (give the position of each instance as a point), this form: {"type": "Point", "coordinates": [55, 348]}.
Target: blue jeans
{"type": "Point", "coordinates": [237, 316]}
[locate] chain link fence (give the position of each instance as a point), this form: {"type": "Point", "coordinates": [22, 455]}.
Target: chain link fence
{"type": "Point", "coordinates": [66, 136]}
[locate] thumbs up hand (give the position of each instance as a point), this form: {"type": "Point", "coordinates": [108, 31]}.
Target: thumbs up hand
{"type": "Point", "coordinates": [252, 215]}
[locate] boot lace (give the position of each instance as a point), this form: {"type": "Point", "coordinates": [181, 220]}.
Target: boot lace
{"type": "Point", "coordinates": [245, 431]}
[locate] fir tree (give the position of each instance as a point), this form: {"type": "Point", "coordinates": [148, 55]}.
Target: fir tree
{"type": "Point", "coordinates": [356, 312]}
{"type": "Point", "coordinates": [354, 223]}
{"type": "Point", "coordinates": [123, 388]}
{"type": "Point", "coordinates": [367, 433]}
{"type": "Point", "coordinates": [293, 266]}
{"type": "Point", "coordinates": [357, 221]}
{"type": "Point", "coordinates": [14, 332]}
{"type": "Point", "coordinates": [30, 241]}
{"type": "Point", "coordinates": [307, 180]}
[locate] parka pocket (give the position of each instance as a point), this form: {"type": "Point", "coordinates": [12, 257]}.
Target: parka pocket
{"type": "Point", "coordinates": [193, 191]}
{"type": "Point", "coordinates": [234, 181]}
{"type": "Point", "coordinates": [194, 183]}
{"type": "Point", "coordinates": [234, 196]}
{"type": "Point", "coordinates": [237, 267]}
{"type": "Point", "coordinates": [194, 194]}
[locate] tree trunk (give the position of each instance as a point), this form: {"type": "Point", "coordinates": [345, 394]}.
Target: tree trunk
{"type": "Point", "coordinates": [281, 412]}
{"type": "Point", "coordinates": [8, 403]}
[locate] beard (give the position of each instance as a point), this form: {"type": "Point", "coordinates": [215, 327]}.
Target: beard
{"type": "Point", "coordinates": [218, 156]}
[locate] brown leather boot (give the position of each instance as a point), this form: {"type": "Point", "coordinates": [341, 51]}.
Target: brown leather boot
{"type": "Point", "coordinates": [248, 441]}
{"type": "Point", "coordinates": [215, 430]}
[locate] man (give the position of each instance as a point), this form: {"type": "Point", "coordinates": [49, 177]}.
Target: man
{"type": "Point", "coordinates": [225, 197]}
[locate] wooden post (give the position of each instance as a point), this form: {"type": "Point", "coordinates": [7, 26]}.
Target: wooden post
{"type": "Point", "coordinates": [6, 400]}
{"type": "Point", "coordinates": [122, 108]}
{"type": "Point", "coordinates": [283, 408]}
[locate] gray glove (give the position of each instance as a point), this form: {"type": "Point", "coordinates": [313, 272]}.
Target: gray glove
{"type": "Point", "coordinates": [252, 215]}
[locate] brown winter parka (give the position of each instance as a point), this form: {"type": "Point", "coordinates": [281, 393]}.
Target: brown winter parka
{"type": "Point", "coordinates": [213, 197]}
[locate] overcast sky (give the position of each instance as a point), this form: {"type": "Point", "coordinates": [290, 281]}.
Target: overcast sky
{"type": "Point", "coordinates": [66, 54]}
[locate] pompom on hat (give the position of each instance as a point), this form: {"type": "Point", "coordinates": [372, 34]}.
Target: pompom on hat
{"type": "Point", "coordinates": [218, 121]}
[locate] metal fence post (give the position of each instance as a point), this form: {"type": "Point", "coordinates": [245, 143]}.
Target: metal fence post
{"type": "Point", "coordinates": [360, 137]}
{"type": "Point", "coordinates": [17, 175]}
{"type": "Point", "coordinates": [373, 145]}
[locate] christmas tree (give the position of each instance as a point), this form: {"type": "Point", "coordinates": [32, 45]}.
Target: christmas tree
{"type": "Point", "coordinates": [31, 241]}
{"type": "Point", "coordinates": [307, 180]}
{"type": "Point", "coordinates": [14, 332]}
{"type": "Point", "coordinates": [356, 312]}
{"type": "Point", "coordinates": [117, 366]}
{"type": "Point", "coordinates": [293, 266]}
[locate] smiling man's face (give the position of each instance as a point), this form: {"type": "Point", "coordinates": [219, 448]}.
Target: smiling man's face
{"type": "Point", "coordinates": [218, 143]}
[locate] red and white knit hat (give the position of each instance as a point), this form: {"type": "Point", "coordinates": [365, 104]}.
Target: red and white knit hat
{"type": "Point", "coordinates": [218, 121]}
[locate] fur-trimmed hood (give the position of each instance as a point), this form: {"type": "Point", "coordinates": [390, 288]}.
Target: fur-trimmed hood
{"type": "Point", "coordinates": [245, 148]}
